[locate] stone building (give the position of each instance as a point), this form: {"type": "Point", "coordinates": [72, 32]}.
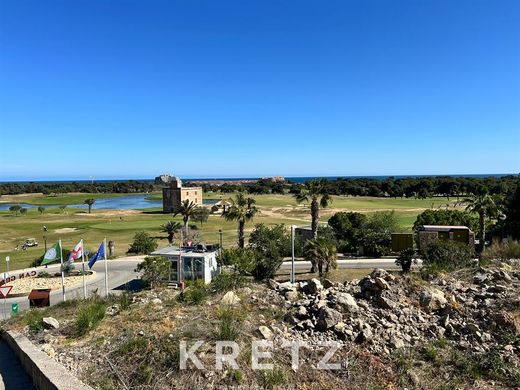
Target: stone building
{"type": "Point", "coordinates": [174, 194]}
{"type": "Point", "coordinates": [430, 233]}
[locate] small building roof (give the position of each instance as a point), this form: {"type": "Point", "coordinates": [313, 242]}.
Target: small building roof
{"type": "Point", "coordinates": [443, 228]}
{"type": "Point", "coordinates": [175, 251]}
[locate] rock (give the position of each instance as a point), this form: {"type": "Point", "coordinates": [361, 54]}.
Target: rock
{"type": "Point", "coordinates": [382, 284]}
{"type": "Point", "coordinates": [506, 321]}
{"type": "Point", "coordinates": [302, 312]}
{"type": "Point", "coordinates": [396, 342]}
{"type": "Point", "coordinates": [385, 303]}
{"type": "Point", "coordinates": [230, 298]}
{"type": "Point", "coordinates": [287, 286]}
{"type": "Point", "coordinates": [346, 301]}
{"type": "Point", "coordinates": [265, 332]}
{"type": "Point", "coordinates": [369, 287]}
{"type": "Point", "coordinates": [273, 284]}
{"type": "Point", "coordinates": [327, 283]}
{"type": "Point", "coordinates": [140, 333]}
{"type": "Point", "coordinates": [364, 336]}
{"type": "Point", "coordinates": [112, 310]}
{"type": "Point", "coordinates": [432, 300]}
{"type": "Point", "coordinates": [48, 350]}
{"type": "Point", "coordinates": [328, 317]}
{"type": "Point", "coordinates": [314, 286]}
{"type": "Point", "coordinates": [472, 328]}
{"type": "Point", "coordinates": [156, 301]}
{"type": "Point", "coordinates": [340, 326]}
{"type": "Point", "coordinates": [50, 323]}
{"type": "Point", "coordinates": [291, 295]}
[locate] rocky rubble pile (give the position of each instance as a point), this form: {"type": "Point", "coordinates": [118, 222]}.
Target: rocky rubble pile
{"type": "Point", "coordinates": [385, 312]}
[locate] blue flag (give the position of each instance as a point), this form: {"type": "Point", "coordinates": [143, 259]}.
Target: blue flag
{"type": "Point", "coordinates": [100, 254]}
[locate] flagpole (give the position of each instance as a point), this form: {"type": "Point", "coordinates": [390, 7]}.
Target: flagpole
{"type": "Point", "coordinates": [62, 272]}
{"type": "Point", "coordinates": [106, 265]}
{"type": "Point", "coordinates": [83, 266]}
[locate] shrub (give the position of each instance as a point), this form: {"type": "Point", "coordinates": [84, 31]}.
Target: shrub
{"type": "Point", "coordinates": [89, 316]}
{"type": "Point", "coordinates": [34, 320]}
{"type": "Point", "coordinates": [273, 378]}
{"type": "Point", "coordinates": [153, 270]}
{"type": "Point", "coordinates": [229, 325]}
{"type": "Point", "coordinates": [441, 256]}
{"type": "Point", "coordinates": [242, 259]}
{"type": "Point", "coordinates": [227, 281]}
{"type": "Point", "coordinates": [195, 293]}
{"type": "Point", "coordinates": [405, 259]}
{"type": "Point", "coordinates": [503, 251]}
{"type": "Point", "coordinates": [143, 244]}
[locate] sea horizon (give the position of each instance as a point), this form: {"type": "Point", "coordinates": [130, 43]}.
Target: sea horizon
{"type": "Point", "coordinates": [295, 179]}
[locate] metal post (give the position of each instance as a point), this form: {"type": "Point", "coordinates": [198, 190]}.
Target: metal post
{"type": "Point", "coordinates": [45, 237]}
{"type": "Point", "coordinates": [5, 277]}
{"type": "Point", "coordinates": [220, 232]}
{"type": "Point", "coordinates": [83, 270]}
{"type": "Point", "coordinates": [293, 228]}
{"type": "Point", "coordinates": [106, 265]}
{"type": "Point", "coordinates": [62, 273]}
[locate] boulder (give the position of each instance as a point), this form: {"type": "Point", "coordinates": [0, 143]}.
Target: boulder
{"type": "Point", "coordinates": [230, 298]}
{"type": "Point", "coordinates": [328, 317]}
{"type": "Point", "coordinates": [345, 301]}
{"type": "Point", "coordinates": [265, 332]}
{"type": "Point", "coordinates": [291, 295]}
{"type": "Point", "coordinates": [382, 284]}
{"type": "Point", "coordinates": [385, 303]}
{"type": "Point", "coordinates": [314, 286]}
{"type": "Point", "coordinates": [50, 323]}
{"type": "Point", "coordinates": [432, 300]}
{"type": "Point", "coordinates": [327, 283]}
{"type": "Point", "coordinates": [273, 284]}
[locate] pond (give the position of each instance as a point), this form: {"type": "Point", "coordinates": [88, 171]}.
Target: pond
{"type": "Point", "coordinates": [126, 202]}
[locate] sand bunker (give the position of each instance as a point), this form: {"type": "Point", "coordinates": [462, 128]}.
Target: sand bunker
{"type": "Point", "coordinates": [66, 230]}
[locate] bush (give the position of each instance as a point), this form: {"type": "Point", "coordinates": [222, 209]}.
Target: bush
{"type": "Point", "coordinates": [445, 256]}
{"type": "Point", "coordinates": [376, 233]}
{"type": "Point", "coordinates": [34, 320]}
{"type": "Point", "coordinates": [89, 316]}
{"type": "Point", "coordinates": [405, 259]}
{"type": "Point", "coordinates": [195, 293]}
{"type": "Point", "coordinates": [143, 244]}
{"type": "Point", "coordinates": [269, 245]}
{"type": "Point", "coordinates": [154, 270]}
{"type": "Point", "coordinates": [242, 259]}
{"type": "Point", "coordinates": [502, 251]}
{"type": "Point", "coordinates": [229, 325]}
{"type": "Point", "coordinates": [227, 281]}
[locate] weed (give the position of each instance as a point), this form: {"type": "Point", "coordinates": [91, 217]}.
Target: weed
{"type": "Point", "coordinates": [272, 378]}
{"type": "Point", "coordinates": [89, 316]}
{"type": "Point", "coordinates": [133, 345]}
{"type": "Point", "coordinates": [429, 352]}
{"type": "Point", "coordinates": [34, 320]}
{"type": "Point", "coordinates": [229, 325]}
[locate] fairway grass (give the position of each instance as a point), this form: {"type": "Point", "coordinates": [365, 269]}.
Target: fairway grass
{"type": "Point", "coordinates": [121, 226]}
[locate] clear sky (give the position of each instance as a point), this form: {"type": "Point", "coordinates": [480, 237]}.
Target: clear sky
{"type": "Point", "coordinates": [132, 89]}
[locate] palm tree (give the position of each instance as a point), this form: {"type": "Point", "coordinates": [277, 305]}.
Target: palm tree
{"type": "Point", "coordinates": [485, 206]}
{"type": "Point", "coordinates": [170, 228]}
{"type": "Point", "coordinates": [321, 253]}
{"type": "Point", "coordinates": [41, 209]}
{"type": "Point", "coordinates": [315, 192]}
{"type": "Point", "coordinates": [89, 202]}
{"type": "Point", "coordinates": [186, 209]}
{"type": "Point", "coordinates": [242, 209]}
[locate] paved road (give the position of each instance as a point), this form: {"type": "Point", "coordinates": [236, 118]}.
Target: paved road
{"type": "Point", "coordinates": [120, 271]}
{"type": "Point", "coordinates": [12, 375]}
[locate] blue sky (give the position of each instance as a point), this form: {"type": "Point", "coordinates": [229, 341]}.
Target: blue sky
{"type": "Point", "coordinates": [132, 89]}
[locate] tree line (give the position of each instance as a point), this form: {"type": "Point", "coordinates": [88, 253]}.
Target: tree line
{"type": "Point", "coordinates": [130, 186]}
{"type": "Point", "coordinates": [409, 187]}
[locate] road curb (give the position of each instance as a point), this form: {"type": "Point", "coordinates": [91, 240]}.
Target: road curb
{"type": "Point", "coordinates": [46, 373]}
